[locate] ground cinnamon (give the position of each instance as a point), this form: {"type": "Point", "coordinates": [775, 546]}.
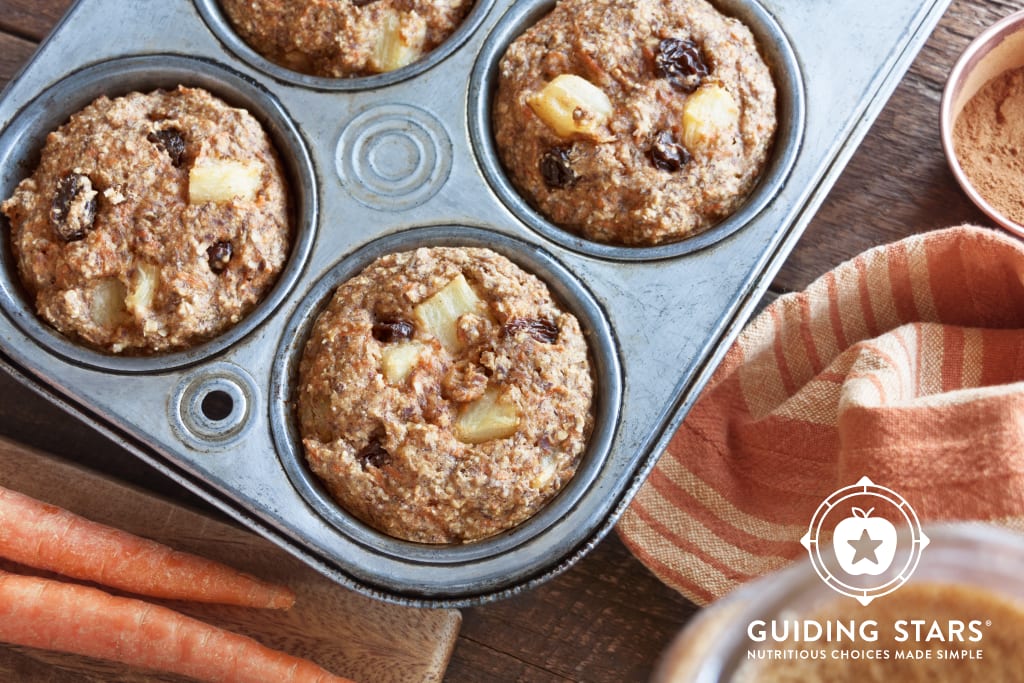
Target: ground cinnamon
{"type": "Point", "coordinates": [988, 139]}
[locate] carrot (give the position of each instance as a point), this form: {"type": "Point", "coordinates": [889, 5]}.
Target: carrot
{"type": "Point", "coordinates": [82, 620]}
{"type": "Point", "coordinates": [48, 537]}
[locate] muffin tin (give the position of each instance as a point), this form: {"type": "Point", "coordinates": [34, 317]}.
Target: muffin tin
{"type": "Point", "coordinates": [402, 160]}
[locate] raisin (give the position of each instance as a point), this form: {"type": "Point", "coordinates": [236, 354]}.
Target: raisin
{"type": "Point", "coordinates": [374, 455]}
{"type": "Point", "coordinates": [362, 3]}
{"type": "Point", "coordinates": [73, 210]}
{"type": "Point", "coordinates": [556, 168]}
{"type": "Point", "coordinates": [171, 141]}
{"type": "Point", "coordinates": [390, 331]}
{"type": "Point", "coordinates": [541, 330]}
{"type": "Point", "coordinates": [681, 62]}
{"type": "Point", "coordinates": [667, 154]}
{"type": "Point", "coordinates": [219, 255]}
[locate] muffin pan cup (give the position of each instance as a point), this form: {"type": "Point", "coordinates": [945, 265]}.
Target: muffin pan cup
{"type": "Point", "coordinates": [23, 139]}
{"type": "Point", "coordinates": [405, 160]}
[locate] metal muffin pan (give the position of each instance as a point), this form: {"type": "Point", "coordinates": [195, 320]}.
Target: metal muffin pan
{"type": "Point", "coordinates": [403, 160]}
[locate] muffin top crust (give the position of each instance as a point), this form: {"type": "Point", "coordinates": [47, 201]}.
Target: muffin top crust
{"type": "Point", "coordinates": [444, 396]}
{"type": "Point", "coordinates": [637, 122]}
{"type": "Point", "coordinates": [152, 222]}
{"type": "Point", "coordinates": [345, 38]}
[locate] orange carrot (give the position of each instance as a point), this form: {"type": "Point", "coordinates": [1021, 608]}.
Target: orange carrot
{"type": "Point", "coordinates": [82, 620]}
{"type": "Point", "coordinates": [48, 537]}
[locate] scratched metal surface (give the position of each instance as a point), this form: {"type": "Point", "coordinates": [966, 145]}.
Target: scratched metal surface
{"type": "Point", "coordinates": [402, 160]}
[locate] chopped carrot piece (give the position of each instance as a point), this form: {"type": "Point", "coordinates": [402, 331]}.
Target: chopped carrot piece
{"type": "Point", "coordinates": [52, 538]}
{"type": "Point", "coordinates": [65, 617]}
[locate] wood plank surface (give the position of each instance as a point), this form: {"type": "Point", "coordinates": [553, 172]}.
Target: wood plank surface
{"type": "Point", "coordinates": [14, 52]}
{"type": "Point", "coordinates": [348, 634]}
{"type": "Point", "coordinates": [608, 618]}
{"type": "Point", "coordinates": [31, 19]}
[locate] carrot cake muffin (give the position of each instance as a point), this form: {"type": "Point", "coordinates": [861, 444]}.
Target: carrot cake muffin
{"type": "Point", "coordinates": [152, 222]}
{"type": "Point", "coordinates": [342, 38]}
{"type": "Point", "coordinates": [444, 396]}
{"type": "Point", "coordinates": [634, 122]}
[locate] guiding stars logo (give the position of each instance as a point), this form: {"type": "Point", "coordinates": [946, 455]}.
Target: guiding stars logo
{"type": "Point", "coordinates": [865, 541]}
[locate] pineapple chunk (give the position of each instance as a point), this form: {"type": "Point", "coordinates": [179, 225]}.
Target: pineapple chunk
{"type": "Point", "coordinates": [710, 115]}
{"type": "Point", "coordinates": [572, 105]}
{"type": "Point", "coordinates": [489, 417]}
{"type": "Point", "coordinates": [398, 44]}
{"type": "Point", "coordinates": [548, 469]}
{"type": "Point", "coordinates": [398, 360]}
{"type": "Point", "coordinates": [106, 307]}
{"type": "Point", "coordinates": [222, 180]}
{"type": "Point", "coordinates": [440, 314]}
{"type": "Point", "coordinates": [144, 284]}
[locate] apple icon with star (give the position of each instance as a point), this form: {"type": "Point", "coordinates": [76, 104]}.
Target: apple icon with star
{"type": "Point", "coordinates": [864, 544]}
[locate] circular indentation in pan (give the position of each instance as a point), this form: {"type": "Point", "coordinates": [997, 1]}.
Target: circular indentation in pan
{"type": "Point", "coordinates": [785, 69]}
{"type": "Point", "coordinates": [393, 157]}
{"type": "Point", "coordinates": [450, 574]}
{"type": "Point", "coordinates": [218, 22]}
{"type": "Point", "coordinates": [213, 406]}
{"type": "Point", "coordinates": [22, 140]}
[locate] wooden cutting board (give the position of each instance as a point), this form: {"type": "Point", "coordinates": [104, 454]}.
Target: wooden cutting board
{"type": "Point", "coordinates": [344, 632]}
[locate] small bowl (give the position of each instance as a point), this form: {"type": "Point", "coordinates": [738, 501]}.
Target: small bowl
{"type": "Point", "coordinates": [999, 49]}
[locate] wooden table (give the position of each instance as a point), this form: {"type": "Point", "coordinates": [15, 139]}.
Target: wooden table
{"type": "Point", "coordinates": [608, 618]}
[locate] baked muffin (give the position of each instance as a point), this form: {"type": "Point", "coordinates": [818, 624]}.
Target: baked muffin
{"type": "Point", "coordinates": [444, 396]}
{"type": "Point", "coordinates": [152, 222]}
{"type": "Point", "coordinates": [634, 122]}
{"type": "Point", "coordinates": [343, 38]}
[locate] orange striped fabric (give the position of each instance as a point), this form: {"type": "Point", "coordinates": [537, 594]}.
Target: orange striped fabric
{"type": "Point", "coordinates": [905, 365]}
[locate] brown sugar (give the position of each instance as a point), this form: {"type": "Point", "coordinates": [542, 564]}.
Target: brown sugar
{"type": "Point", "coordinates": [988, 139]}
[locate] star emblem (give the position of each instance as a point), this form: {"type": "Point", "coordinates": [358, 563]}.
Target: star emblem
{"type": "Point", "coordinates": [854, 553]}
{"type": "Point", "coordinates": [865, 548]}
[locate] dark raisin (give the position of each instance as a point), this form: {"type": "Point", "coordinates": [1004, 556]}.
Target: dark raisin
{"type": "Point", "coordinates": [73, 210]}
{"type": "Point", "coordinates": [373, 455]}
{"type": "Point", "coordinates": [541, 330]}
{"type": "Point", "coordinates": [390, 331]}
{"type": "Point", "coordinates": [667, 154]}
{"type": "Point", "coordinates": [171, 141]}
{"type": "Point", "coordinates": [681, 62]}
{"type": "Point", "coordinates": [556, 168]}
{"type": "Point", "coordinates": [362, 3]}
{"type": "Point", "coordinates": [219, 255]}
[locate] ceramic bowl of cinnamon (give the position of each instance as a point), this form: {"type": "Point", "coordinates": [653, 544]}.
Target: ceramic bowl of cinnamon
{"type": "Point", "coordinates": [982, 122]}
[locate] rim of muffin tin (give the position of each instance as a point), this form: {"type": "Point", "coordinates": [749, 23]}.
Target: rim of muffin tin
{"type": "Point", "coordinates": [220, 25]}
{"type": "Point", "coordinates": [455, 571]}
{"type": "Point", "coordinates": [790, 105]}
{"type": "Point", "coordinates": [22, 141]}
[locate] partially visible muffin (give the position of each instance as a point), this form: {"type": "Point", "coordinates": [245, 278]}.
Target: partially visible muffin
{"type": "Point", "coordinates": [444, 396]}
{"type": "Point", "coordinates": [344, 38]}
{"type": "Point", "coordinates": [152, 222]}
{"type": "Point", "coordinates": [634, 122]}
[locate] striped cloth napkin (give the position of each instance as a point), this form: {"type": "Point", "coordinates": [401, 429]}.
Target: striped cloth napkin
{"type": "Point", "coordinates": [905, 364]}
